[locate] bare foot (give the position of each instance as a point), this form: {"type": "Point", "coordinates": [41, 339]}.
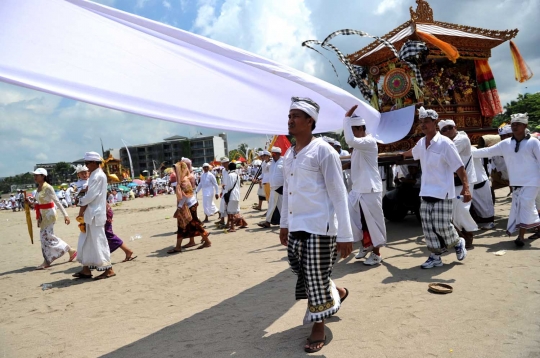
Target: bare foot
{"type": "Point", "coordinates": [129, 256]}
{"type": "Point", "coordinates": [43, 266]}
{"type": "Point", "coordinates": [72, 255]}
{"type": "Point", "coordinates": [191, 244]}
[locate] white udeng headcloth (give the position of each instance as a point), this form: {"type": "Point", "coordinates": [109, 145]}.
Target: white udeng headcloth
{"type": "Point", "coordinates": [422, 113]}
{"type": "Point", "coordinates": [446, 122]}
{"type": "Point", "coordinates": [80, 168]}
{"type": "Point", "coordinates": [357, 121]}
{"type": "Point", "coordinates": [505, 130]}
{"type": "Point", "coordinates": [306, 105]}
{"type": "Point", "coordinates": [519, 118]}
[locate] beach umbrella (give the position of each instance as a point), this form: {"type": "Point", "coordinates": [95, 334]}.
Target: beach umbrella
{"type": "Point", "coordinates": [131, 185]}
{"type": "Point", "coordinates": [123, 188]}
{"type": "Point", "coordinates": [139, 182]}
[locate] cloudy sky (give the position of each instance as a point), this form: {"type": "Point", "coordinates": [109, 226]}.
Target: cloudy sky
{"type": "Point", "coordinates": [38, 127]}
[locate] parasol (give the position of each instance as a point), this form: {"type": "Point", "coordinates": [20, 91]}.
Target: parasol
{"type": "Point", "coordinates": [123, 188]}
{"type": "Point", "coordinates": [28, 219]}
{"type": "Point", "coordinates": [139, 182]}
{"type": "Point", "coordinates": [131, 185]}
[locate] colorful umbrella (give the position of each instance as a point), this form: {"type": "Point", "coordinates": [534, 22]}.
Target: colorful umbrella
{"type": "Point", "coordinates": [131, 185]}
{"type": "Point", "coordinates": [138, 182]}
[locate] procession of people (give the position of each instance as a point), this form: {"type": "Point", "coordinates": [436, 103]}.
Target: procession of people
{"type": "Point", "coordinates": [320, 208]}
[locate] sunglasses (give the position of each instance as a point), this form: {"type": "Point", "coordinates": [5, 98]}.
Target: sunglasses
{"type": "Point", "coordinates": [446, 129]}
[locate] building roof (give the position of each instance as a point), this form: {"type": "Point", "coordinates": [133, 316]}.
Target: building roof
{"type": "Point", "coordinates": [175, 137]}
{"type": "Point", "coordinates": [472, 42]}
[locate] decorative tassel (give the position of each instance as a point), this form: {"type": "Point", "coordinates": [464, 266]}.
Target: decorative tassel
{"type": "Point", "coordinates": [450, 51]}
{"type": "Point", "coordinates": [521, 69]}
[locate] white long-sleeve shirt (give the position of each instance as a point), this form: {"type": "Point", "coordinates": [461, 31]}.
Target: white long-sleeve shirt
{"type": "Point", "coordinates": [233, 185]}
{"type": "Point", "coordinates": [314, 195]}
{"type": "Point", "coordinates": [523, 166]}
{"type": "Point", "coordinates": [265, 173]}
{"type": "Point", "coordinates": [439, 163]}
{"type": "Point", "coordinates": [365, 173]}
{"type": "Point", "coordinates": [275, 173]}
{"type": "Point", "coordinates": [208, 184]}
{"type": "Point", "coordinates": [463, 145]}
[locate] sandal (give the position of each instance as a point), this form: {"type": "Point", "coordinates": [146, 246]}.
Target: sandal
{"type": "Point", "coordinates": [81, 275]}
{"type": "Point", "coordinates": [264, 224]}
{"type": "Point", "coordinates": [174, 251]}
{"type": "Point", "coordinates": [203, 246]}
{"type": "Point", "coordinates": [72, 257]}
{"type": "Point", "coordinates": [314, 350]}
{"type": "Point", "coordinates": [536, 235]}
{"type": "Point", "coordinates": [346, 295]}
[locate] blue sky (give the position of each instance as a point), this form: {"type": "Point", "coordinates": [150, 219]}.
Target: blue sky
{"type": "Point", "coordinates": [38, 127]}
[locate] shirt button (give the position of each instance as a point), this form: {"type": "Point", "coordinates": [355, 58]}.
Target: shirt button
{"type": "Point", "coordinates": [290, 212]}
{"type": "Point", "coordinates": [291, 174]}
{"type": "Point", "coordinates": [290, 193]}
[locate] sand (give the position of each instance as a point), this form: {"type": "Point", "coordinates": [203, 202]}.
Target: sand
{"type": "Point", "coordinates": [236, 299]}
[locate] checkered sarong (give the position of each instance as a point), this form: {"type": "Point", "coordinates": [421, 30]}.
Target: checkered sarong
{"type": "Point", "coordinates": [311, 258]}
{"type": "Point", "coordinates": [410, 51]}
{"type": "Point", "coordinates": [437, 225]}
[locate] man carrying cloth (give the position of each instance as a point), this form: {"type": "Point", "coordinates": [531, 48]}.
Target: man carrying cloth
{"type": "Point", "coordinates": [522, 157]}
{"type": "Point", "coordinates": [210, 189]}
{"type": "Point", "coordinates": [93, 248]}
{"type": "Point", "coordinates": [315, 224]}
{"type": "Point", "coordinates": [461, 215]}
{"type": "Point", "coordinates": [439, 159]}
{"type": "Point", "coordinates": [365, 198]}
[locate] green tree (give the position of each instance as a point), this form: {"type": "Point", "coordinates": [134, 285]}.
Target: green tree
{"type": "Point", "coordinates": [524, 103]}
{"type": "Point", "coordinates": [243, 149]}
{"type": "Point", "coordinates": [234, 154]}
{"type": "Point", "coordinates": [61, 172]}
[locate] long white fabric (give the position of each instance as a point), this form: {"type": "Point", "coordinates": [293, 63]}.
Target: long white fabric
{"type": "Point", "coordinates": [461, 216]}
{"type": "Point", "coordinates": [96, 54]}
{"type": "Point", "coordinates": [275, 202]}
{"type": "Point", "coordinates": [523, 212]}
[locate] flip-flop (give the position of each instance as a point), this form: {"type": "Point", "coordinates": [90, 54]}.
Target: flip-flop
{"type": "Point", "coordinates": [131, 258]}
{"type": "Point", "coordinates": [346, 295]}
{"type": "Point", "coordinates": [81, 275]}
{"type": "Point", "coordinates": [204, 246]}
{"type": "Point", "coordinates": [174, 251]}
{"type": "Point", "coordinates": [187, 246]}
{"type": "Point", "coordinates": [264, 225]}
{"type": "Point", "coordinates": [101, 277]}
{"type": "Point", "coordinates": [519, 243]}
{"type": "Point", "coordinates": [535, 236]}
{"type": "Point", "coordinates": [71, 258]}
{"type": "Point", "coordinates": [41, 267]}
{"type": "Point", "coordinates": [314, 350]}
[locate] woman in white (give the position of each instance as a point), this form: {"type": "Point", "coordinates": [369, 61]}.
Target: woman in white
{"type": "Point", "coordinates": [52, 246]}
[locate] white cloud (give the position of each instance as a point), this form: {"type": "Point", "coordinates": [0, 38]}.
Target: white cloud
{"type": "Point", "coordinates": [166, 4]}
{"type": "Point", "coordinates": [42, 157]}
{"type": "Point", "coordinates": [388, 5]}
{"type": "Point", "coordinates": [273, 29]}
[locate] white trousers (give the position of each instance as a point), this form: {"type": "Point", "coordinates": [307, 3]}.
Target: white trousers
{"type": "Point", "coordinates": [373, 215]}
{"type": "Point", "coordinates": [274, 203]}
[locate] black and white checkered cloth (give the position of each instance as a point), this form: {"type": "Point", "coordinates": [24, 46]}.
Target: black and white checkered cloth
{"type": "Point", "coordinates": [360, 72]}
{"type": "Point", "coordinates": [409, 53]}
{"type": "Point", "coordinates": [364, 88]}
{"type": "Point", "coordinates": [311, 258]}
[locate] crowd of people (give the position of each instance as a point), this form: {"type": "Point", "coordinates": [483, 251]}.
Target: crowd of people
{"type": "Point", "coordinates": [322, 197]}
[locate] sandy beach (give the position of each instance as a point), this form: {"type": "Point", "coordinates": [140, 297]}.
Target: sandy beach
{"type": "Point", "coordinates": [236, 299]}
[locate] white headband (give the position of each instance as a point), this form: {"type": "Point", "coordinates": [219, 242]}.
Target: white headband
{"type": "Point", "coordinates": [505, 130]}
{"type": "Point", "coordinates": [307, 106]}
{"type": "Point", "coordinates": [446, 122]}
{"type": "Point", "coordinates": [92, 157]}
{"type": "Point", "coordinates": [422, 113]}
{"type": "Point", "coordinates": [357, 121]}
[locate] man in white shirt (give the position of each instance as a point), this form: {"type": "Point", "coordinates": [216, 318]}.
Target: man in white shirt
{"type": "Point", "coordinates": [275, 174]}
{"type": "Point", "coordinates": [341, 152]}
{"type": "Point", "coordinates": [93, 249]}
{"type": "Point", "coordinates": [210, 189]}
{"type": "Point", "coordinates": [522, 157]}
{"type": "Point", "coordinates": [265, 179]}
{"type": "Point", "coordinates": [315, 217]}
{"type": "Point", "coordinates": [222, 205]}
{"type": "Point", "coordinates": [439, 159]}
{"type": "Point", "coordinates": [461, 214]}
{"type": "Point", "coordinates": [69, 195]}
{"type": "Point", "coordinates": [365, 198]}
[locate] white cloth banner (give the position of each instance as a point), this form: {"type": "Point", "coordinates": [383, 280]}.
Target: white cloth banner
{"type": "Point", "coordinates": [96, 54]}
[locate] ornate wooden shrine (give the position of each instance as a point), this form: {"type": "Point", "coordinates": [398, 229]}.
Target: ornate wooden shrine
{"type": "Point", "coordinates": [450, 88]}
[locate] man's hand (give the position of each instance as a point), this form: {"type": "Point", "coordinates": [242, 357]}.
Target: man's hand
{"type": "Point", "coordinates": [345, 248]}
{"type": "Point", "coordinates": [351, 111]}
{"type": "Point", "coordinates": [66, 220]}
{"type": "Point", "coordinates": [284, 236]}
{"type": "Point", "coordinates": [217, 196]}
{"type": "Point", "coordinates": [466, 194]}
{"type": "Point", "coordinates": [220, 194]}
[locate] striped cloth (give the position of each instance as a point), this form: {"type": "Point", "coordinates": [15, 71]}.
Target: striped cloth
{"type": "Point", "coordinates": [311, 257]}
{"type": "Point", "coordinates": [437, 225]}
